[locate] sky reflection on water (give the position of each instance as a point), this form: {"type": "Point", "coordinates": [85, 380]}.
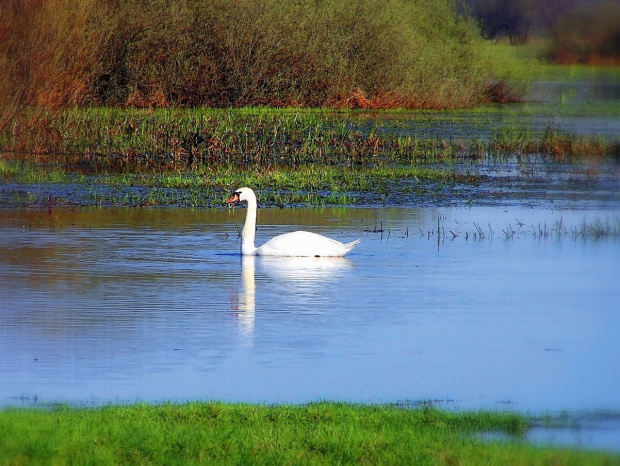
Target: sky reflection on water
{"type": "Point", "coordinates": [108, 305]}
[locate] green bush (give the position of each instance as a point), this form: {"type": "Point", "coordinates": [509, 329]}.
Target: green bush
{"type": "Point", "coordinates": [220, 53]}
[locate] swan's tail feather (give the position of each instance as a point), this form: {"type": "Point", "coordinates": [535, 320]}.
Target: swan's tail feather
{"type": "Point", "coordinates": [352, 244]}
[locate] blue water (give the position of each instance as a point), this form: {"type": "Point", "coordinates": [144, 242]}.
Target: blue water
{"type": "Point", "coordinates": [123, 305]}
{"type": "Point", "coordinates": [155, 311]}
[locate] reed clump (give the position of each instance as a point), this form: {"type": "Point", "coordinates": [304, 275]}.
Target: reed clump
{"type": "Point", "coordinates": [127, 140]}
{"type": "Point", "coordinates": [553, 144]}
{"type": "Point", "coordinates": [222, 53]}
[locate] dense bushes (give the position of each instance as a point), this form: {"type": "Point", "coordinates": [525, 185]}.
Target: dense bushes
{"type": "Point", "coordinates": [48, 53]}
{"type": "Point", "coordinates": [370, 53]}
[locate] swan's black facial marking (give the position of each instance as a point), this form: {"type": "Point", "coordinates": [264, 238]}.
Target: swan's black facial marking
{"type": "Point", "coordinates": [234, 200]}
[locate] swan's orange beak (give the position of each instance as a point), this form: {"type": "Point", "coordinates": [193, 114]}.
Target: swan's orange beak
{"type": "Point", "coordinates": [234, 200]}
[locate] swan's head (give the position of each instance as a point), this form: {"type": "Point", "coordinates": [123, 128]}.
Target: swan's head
{"type": "Point", "coordinates": [241, 195]}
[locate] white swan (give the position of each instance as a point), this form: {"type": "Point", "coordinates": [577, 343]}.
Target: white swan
{"type": "Point", "coordinates": [297, 243]}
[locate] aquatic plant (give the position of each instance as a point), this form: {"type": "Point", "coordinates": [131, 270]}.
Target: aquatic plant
{"type": "Point", "coordinates": [207, 186]}
{"type": "Point", "coordinates": [112, 139]}
{"type": "Point", "coordinates": [595, 229]}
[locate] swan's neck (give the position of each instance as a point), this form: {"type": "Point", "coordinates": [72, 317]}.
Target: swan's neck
{"type": "Point", "coordinates": [249, 230]}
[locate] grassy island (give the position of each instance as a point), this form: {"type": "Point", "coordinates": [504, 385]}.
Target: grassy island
{"type": "Point", "coordinates": [322, 433]}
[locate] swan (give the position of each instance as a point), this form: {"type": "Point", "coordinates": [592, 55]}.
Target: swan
{"type": "Point", "coordinates": [295, 244]}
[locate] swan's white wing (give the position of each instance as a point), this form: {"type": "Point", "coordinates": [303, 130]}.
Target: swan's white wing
{"type": "Point", "coordinates": [304, 244]}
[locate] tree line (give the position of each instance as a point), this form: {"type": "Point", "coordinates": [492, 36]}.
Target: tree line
{"type": "Point", "coordinates": [586, 31]}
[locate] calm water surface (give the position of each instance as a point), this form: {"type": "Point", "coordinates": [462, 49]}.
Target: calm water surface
{"type": "Point", "coordinates": [587, 106]}
{"type": "Point", "coordinates": [119, 305]}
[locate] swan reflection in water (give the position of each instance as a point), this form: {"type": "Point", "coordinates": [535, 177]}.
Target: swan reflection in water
{"type": "Point", "coordinates": [247, 296]}
{"type": "Point", "coordinates": [301, 276]}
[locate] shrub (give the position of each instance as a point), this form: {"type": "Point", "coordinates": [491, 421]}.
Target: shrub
{"type": "Point", "coordinates": [343, 53]}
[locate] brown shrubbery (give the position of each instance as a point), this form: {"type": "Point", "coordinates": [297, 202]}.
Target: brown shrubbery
{"type": "Point", "coordinates": [343, 53]}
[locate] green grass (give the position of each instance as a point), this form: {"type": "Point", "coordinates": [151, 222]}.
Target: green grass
{"type": "Point", "coordinates": [581, 73]}
{"type": "Point", "coordinates": [194, 157]}
{"type": "Point", "coordinates": [134, 140]}
{"type": "Point", "coordinates": [309, 185]}
{"type": "Point", "coordinates": [26, 172]}
{"type": "Point", "coordinates": [529, 59]}
{"type": "Point", "coordinates": [323, 433]}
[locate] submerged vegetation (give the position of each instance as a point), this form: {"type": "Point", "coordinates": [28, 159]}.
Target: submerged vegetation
{"type": "Point", "coordinates": [323, 433]}
{"type": "Point", "coordinates": [193, 157]}
{"type": "Point", "coordinates": [279, 186]}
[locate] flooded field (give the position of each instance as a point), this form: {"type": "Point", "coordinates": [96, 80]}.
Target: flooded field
{"type": "Point", "coordinates": [500, 293]}
{"type": "Point", "coordinates": [584, 105]}
{"type": "Point", "coordinates": [486, 307]}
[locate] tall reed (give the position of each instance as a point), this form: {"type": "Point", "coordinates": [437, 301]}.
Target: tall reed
{"type": "Point", "coordinates": [187, 139]}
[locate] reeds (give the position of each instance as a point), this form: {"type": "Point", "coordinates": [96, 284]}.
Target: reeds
{"type": "Point", "coordinates": [303, 185]}
{"type": "Point", "coordinates": [121, 140]}
{"type": "Point", "coordinates": [595, 229]}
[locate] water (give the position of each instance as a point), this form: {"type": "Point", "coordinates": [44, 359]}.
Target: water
{"type": "Point", "coordinates": [109, 305]}
{"type": "Point", "coordinates": [588, 105]}
{"type": "Point", "coordinates": [101, 305]}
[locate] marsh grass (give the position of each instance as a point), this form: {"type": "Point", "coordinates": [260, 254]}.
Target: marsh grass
{"type": "Point", "coordinates": [595, 229]}
{"type": "Point", "coordinates": [26, 172]}
{"type": "Point", "coordinates": [134, 140]}
{"type": "Point", "coordinates": [304, 185]}
{"type": "Point", "coordinates": [308, 157]}
{"type": "Point", "coordinates": [322, 433]}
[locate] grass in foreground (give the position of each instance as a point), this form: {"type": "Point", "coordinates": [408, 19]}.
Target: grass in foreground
{"type": "Point", "coordinates": [255, 434]}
